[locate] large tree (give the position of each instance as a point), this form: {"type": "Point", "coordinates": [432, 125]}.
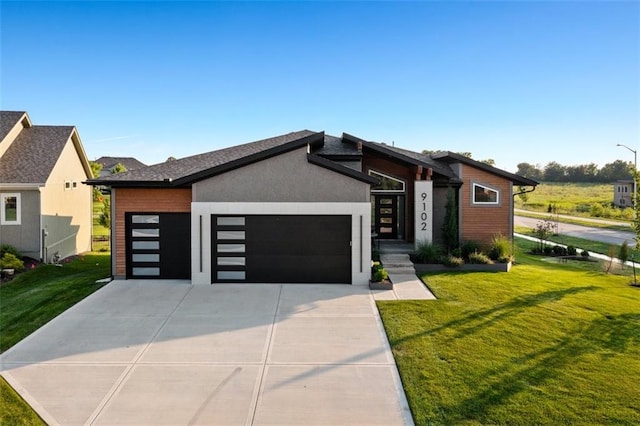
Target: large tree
{"type": "Point", "coordinates": [530, 171]}
{"type": "Point", "coordinates": [555, 172]}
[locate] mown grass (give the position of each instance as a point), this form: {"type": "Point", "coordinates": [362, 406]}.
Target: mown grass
{"type": "Point", "coordinates": [31, 300]}
{"type": "Point", "coordinates": [543, 344]}
{"type": "Point", "coordinates": [589, 245]}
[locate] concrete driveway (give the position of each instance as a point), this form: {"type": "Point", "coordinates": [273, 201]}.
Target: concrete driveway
{"type": "Point", "coordinates": [158, 352]}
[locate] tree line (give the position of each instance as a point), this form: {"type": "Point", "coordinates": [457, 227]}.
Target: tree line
{"type": "Point", "coordinates": [556, 172]}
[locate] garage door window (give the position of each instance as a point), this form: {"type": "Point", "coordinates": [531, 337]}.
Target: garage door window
{"type": "Point", "coordinates": [230, 247]}
{"type": "Point", "coordinates": [145, 245]}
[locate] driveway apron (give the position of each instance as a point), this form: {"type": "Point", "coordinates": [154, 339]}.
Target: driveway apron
{"type": "Point", "coordinates": [167, 352]}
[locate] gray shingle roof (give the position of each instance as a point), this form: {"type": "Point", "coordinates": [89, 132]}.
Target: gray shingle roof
{"type": "Point", "coordinates": [129, 163]}
{"type": "Point", "coordinates": [197, 164]}
{"type": "Point", "coordinates": [33, 154]}
{"type": "Point", "coordinates": [335, 147]}
{"type": "Point", "coordinates": [8, 120]}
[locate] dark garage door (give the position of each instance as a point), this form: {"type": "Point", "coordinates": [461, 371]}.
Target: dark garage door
{"type": "Point", "coordinates": [158, 245]}
{"type": "Point", "coordinates": [281, 249]}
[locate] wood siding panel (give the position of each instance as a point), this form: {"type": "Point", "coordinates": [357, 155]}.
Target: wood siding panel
{"type": "Point", "coordinates": [401, 171]}
{"type": "Point", "coordinates": [147, 200]}
{"type": "Point", "coordinates": [478, 222]}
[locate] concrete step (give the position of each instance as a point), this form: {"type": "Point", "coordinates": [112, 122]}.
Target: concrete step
{"type": "Point", "coordinates": [400, 270]}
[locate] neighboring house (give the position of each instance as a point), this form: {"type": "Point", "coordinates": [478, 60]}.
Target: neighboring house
{"type": "Point", "coordinates": [300, 207]}
{"type": "Point", "coordinates": [44, 208]}
{"type": "Point", "coordinates": [110, 163]}
{"type": "Point", "coordinates": [623, 193]}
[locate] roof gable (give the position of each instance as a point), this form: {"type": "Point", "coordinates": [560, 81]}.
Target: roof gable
{"type": "Point", "coordinates": [32, 156]}
{"type": "Point", "coordinates": [9, 120]}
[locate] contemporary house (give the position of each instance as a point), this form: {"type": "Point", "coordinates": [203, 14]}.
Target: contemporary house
{"type": "Point", "coordinates": [45, 211]}
{"type": "Point", "coordinates": [623, 193]}
{"type": "Point", "coordinates": [300, 207]}
{"type": "Point", "coordinates": [109, 164]}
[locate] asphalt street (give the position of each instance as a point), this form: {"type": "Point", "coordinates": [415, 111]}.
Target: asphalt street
{"type": "Point", "coordinates": [603, 235]}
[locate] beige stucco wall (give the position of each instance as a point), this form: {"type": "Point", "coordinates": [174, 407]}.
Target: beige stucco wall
{"type": "Point", "coordinates": [67, 213]}
{"type": "Point", "coordinates": [287, 177]}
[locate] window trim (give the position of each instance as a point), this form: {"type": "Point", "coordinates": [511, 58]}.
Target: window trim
{"type": "Point", "coordinates": [373, 172]}
{"type": "Point", "coordinates": [484, 203]}
{"type": "Point", "coordinates": [3, 218]}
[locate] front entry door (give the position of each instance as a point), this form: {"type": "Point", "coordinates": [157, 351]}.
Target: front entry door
{"type": "Point", "coordinates": [386, 216]}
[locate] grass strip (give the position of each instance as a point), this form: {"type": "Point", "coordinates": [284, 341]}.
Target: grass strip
{"type": "Point", "coordinates": [14, 410]}
{"type": "Point", "coordinates": [592, 224]}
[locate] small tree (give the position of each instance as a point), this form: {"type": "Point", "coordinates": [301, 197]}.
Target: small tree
{"type": "Point", "coordinates": [636, 206]}
{"type": "Point", "coordinates": [523, 194]}
{"type": "Point", "coordinates": [623, 254]}
{"type": "Point", "coordinates": [118, 168]}
{"type": "Point", "coordinates": [543, 230]}
{"type": "Point", "coordinates": [105, 214]}
{"type": "Point", "coordinates": [96, 168]}
{"type": "Point", "coordinates": [450, 225]}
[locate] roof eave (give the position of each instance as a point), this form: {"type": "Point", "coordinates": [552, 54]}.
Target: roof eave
{"type": "Point", "coordinates": [516, 179]}
{"type": "Point", "coordinates": [381, 149]}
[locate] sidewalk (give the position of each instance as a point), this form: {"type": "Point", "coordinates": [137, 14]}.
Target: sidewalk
{"type": "Point", "coordinates": [406, 284]}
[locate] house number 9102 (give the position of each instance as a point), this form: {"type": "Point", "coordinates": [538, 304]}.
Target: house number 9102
{"type": "Point", "coordinates": [423, 214]}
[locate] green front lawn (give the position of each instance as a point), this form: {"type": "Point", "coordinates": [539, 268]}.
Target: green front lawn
{"type": "Point", "coordinates": [543, 344]}
{"type": "Point", "coordinates": [33, 298]}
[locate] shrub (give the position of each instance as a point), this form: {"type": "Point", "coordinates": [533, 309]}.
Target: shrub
{"type": "Point", "coordinates": [6, 248]}
{"type": "Point", "coordinates": [500, 247]}
{"type": "Point", "coordinates": [427, 252]}
{"type": "Point", "coordinates": [11, 261]}
{"type": "Point", "coordinates": [480, 258]}
{"type": "Point", "coordinates": [450, 260]}
{"type": "Point", "coordinates": [547, 250]}
{"type": "Point", "coordinates": [584, 254]}
{"type": "Point", "coordinates": [559, 251]}
{"type": "Point", "coordinates": [375, 266]}
{"type": "Point", "coordinates": [380, 275]}
{"type": "Point", "coordinates": [623, 254]}
{"type": "Point", "coordinates": [457, 252]}
{"type": "Point", "coordinates": [469, 247]}
{"type": "Point", "coordinates": [571, 250]}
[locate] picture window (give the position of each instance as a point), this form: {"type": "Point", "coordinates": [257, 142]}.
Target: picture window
{"type": "Point", "coordinates": [485, 195]}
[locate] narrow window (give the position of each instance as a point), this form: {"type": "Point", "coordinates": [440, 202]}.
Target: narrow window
{"type": "Point", "coordinates": [485, 195]}
{"type": "Point", "coordinates": [11, 209]}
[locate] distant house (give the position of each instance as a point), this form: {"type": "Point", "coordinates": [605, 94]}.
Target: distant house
{"type": "Point", "coordinates": [110, 163]}
{"type": "Point", "coordinates": [45, 210]}
{"type": "Point", "coordinates": [296, 208]}
{"type": "Point", "coordinates": [623, 193]}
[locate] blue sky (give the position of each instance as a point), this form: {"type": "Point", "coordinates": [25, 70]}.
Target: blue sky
{"type": "Point", "coordinates": [513, 81]}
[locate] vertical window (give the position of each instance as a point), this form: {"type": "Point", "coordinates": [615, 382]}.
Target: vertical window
{"type": "Point", "coordinates": [485, 195]}
{"type": "Point", "coordinates": [10, 213]}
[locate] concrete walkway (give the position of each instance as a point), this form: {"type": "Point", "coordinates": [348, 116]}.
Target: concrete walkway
{"type": "Point", "coordinates": [406, 284]}
{"type": "Point", "coordinates": [167, 352]}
